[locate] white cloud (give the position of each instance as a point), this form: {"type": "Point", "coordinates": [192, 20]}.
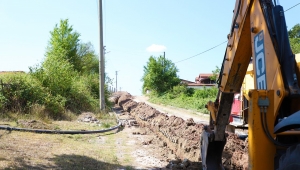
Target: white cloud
{"type": "Point", "coordinates": [156, 48]}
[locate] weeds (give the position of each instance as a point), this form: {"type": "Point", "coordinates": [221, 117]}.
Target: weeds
{"type": "Point", "coordinates": [28, 94]}
{"type": "Point", "coordinates": [183, 97]}
{"type": "Point", "coordinates": [106, 125]}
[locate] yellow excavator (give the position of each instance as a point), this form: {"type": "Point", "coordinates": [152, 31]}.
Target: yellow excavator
{"type": "Point", "coordinates": [259, 63]}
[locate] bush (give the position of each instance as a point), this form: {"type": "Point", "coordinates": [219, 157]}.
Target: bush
{"type": "Point", "coordinates": [56, 74]}
{"type": "Point", "coordinates": [80, 96]}
{"type": "Point", "coordinates": [20, 91]}
{"type": "Point", "coordinates": [206, 93]}
{"type": "Point", "coordinates": [55, 105]}
{"type": "Point", "coordinates": [179, 89]}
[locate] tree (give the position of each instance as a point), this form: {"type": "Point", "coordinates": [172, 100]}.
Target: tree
{"type": "Point", "coordinates": [160, 75]}
{"type": "Point", "coordinates": [65, 44]}
{"type": "Point", "coordinates": [70, 71]}
{"type": "Point", "coordinates": [62, 63]}
{"type": "Point", "coordinates": [89, 62]}
{"type": "Point", "coordinates": [294, 35]}
{"type": "Point", "coordinates": [215, 75]}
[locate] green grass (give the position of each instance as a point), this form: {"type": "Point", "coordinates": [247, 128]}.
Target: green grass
{"type": "Point", "coordinates": [194, 100]}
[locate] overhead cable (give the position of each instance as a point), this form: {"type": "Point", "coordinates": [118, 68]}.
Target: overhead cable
{"type": "Point", "coordinates": [225, 41]}
{"type": "Point", "coordinates": [202, 52]}
{"type": "Point", "coordinates": [292, 7]}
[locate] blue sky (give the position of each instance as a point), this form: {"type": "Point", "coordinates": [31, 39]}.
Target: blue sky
{"type": "Point", "coordinates": [133, 31]}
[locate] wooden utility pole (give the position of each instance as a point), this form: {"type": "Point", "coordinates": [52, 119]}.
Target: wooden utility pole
{"type": "Point", "coordinates": [116, 80]}
{"type": "Point", "coordinates": [101, 60]}
{"type": "Point", "coordinates": [164, 62]}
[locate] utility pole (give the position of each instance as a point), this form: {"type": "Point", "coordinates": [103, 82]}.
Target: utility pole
{"type": "Point", "coordinates": [116, 80]}
{"type": "Point", "coordinates": [164, 62]}
{"type": "Point", "coordinates": [101, 60]}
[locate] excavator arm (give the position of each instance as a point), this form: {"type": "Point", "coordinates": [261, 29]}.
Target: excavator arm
{"type": "Point", "coordinates": [258, 37]}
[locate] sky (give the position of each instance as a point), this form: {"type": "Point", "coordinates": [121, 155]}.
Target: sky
{"type": "Point", "coordinates": [133, 31]}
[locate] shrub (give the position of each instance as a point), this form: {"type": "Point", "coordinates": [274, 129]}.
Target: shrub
{"type": "Point", "coordinates": [206, 92]}
{"type": "Point", "coordinates": [55, 105]}
{"type": "Point", "coordinates": [80, 96]}
{"type": "Point", "coordinates": [20, 91]}
{"type": "Point", "coordinates": [179, 89]}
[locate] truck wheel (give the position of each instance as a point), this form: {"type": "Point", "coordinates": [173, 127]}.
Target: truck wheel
{"type": "Point", "coordinates": [290, 160]}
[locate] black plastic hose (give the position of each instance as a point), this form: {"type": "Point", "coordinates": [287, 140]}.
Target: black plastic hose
{"type": "Point", "coordinates": [59, 131]}
{"type": "Point", "coordinates": [62, 131]}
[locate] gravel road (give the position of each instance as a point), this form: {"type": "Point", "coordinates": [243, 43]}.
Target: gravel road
{"type": "Point", "coordinates": [170, 110]}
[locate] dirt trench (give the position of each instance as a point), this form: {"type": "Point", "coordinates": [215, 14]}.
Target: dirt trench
{"type": "Point", "coordinates": [183, 137]}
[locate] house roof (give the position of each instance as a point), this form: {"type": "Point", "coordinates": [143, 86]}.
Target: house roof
{"type": "Point", "coordinates": [203, 75]}
{"type": "Point", "coordinates": [186, 81]}
{"type": "Point", "coordinates": [195, 84]}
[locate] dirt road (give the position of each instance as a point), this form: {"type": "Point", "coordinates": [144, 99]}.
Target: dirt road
{"type": "Point", "coordinates": [179, 112]}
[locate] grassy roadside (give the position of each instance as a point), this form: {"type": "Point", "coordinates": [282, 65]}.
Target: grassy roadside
{"type": "Point", "coordinates": [24, 150]}
{"type": "Point", "coordinates": [20, 120]}
{"type": "Point", "coordinates": [186, 98]}
{"type": "Point", "coordinates": [185, 102]}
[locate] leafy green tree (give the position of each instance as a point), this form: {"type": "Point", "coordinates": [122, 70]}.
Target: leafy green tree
{"type": "Point", "coordinates": [70, 72]}
{"type": "Point", "coordinates": [160, 75]}
{"type": "Point", "coordinates": [89, 62]}
{"type": "Point", "coordinates": [294, 35]}
{"type": "Point", "coordinates": [215, 75]}
{"type": "Point", "coordinates": [64, 43]}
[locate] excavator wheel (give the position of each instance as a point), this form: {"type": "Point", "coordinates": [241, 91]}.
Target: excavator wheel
{"type": "Point", "coordinates": [290, 160]}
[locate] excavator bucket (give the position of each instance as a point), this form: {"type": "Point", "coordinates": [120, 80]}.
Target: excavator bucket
{"type": "Point", "coordinates": [211, 152]}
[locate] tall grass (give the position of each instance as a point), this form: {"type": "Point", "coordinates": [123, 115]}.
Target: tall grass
{"type": "Point", "coordinates": [25, 93]}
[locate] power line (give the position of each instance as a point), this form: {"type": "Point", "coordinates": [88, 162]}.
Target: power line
{"type": "Point", "coordinates": [202, 52]}
{"type": "Point", "coordinates": [292, 7]}
{"type": "Point", "coordinates": [224, 41]}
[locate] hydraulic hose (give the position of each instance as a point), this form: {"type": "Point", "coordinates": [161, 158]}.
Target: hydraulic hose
{"type": "Point", "coordinates": [264, 124]}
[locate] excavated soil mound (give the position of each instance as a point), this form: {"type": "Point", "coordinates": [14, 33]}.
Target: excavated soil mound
{"type": "Point", "coordinates": [183, 136]}
{"type": "Point", "coordinates": [34, 124]}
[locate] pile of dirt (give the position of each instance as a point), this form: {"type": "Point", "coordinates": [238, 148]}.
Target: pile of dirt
{"type": "Point", "coordinates": [34, 124]}
{"type": "Point", "coordinates": [236, 151]}
{"type": "Point", "coordinates": [183, 137]}
{"type": "Point", "coordinates": [116, 95]}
